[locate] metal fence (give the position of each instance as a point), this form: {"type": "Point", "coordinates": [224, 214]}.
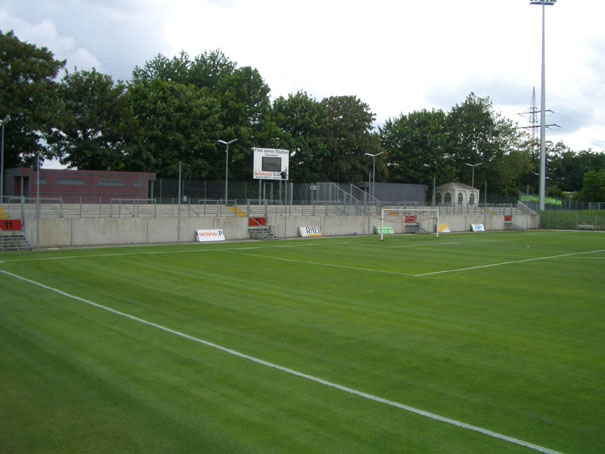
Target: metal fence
{"type": "Point", "coordinates": [572, 220]}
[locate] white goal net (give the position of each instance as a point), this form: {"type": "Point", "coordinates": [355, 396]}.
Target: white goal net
{"type": "Point", "coordinates": [409, 220]}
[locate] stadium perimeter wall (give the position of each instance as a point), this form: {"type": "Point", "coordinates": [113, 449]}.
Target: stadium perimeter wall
{"type": "Point", "coordinates": [80, 232]}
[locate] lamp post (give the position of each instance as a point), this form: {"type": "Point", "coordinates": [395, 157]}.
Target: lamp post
{"type": "Point", "coordinates": [374, 170]}
{"type": "Point", "coordinates": [473, 166]}
{"type": "Point", "coordinates": [543, 3]}
{"type": "Point", "coordinates": [227, 166]}
{"type": "Point", "coordinates": [3, 121]}
{"type": "Point", "coordinates": [434, 183]}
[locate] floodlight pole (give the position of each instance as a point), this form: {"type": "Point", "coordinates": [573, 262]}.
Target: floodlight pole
{"type": "Point", "coordinates": [374, 171]}
{"type": "Point", "coordinates": [227, 166]}
{"type": "Point", "coordinates": [543, 3]}
{"type": "Point", "coordinates": [473, 166]}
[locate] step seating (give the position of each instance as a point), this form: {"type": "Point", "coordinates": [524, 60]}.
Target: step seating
{"type": "Point", "coordinates": [262, 233]}
{"type": "Point", "coordinates": [237, 211]}
{"type": "Point", "coordinates": [13, 241]}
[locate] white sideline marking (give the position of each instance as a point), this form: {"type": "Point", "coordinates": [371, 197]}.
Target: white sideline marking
{"type": "Point", "coordinates": [287, 370]}
{"type": "Point", "coordinates": [457, 270]}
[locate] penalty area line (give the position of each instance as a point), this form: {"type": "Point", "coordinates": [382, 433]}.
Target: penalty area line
{"type": "Point", "coordinates": [293, 372]}
{"type": "Point", "coordinates": [512, 262]}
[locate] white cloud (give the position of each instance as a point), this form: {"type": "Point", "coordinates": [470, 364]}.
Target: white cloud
{"type": "Point", "coordinates": [45, 34]}
{"type": "Point", "coordinates": [397, 56]}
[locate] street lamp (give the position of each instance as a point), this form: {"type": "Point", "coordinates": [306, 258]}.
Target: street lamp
{"type": "Point", "coordinates": [434, 182]}
{"type": "Point", "coordinates": [227, 166]}
{"type": "Point", "coordinates": [3, 121]}
{"type": "Point", "coordinates": [473, 166]}
{"type": "Point", "coordinates": [374, 170]}
{"type": "Point", "coordinates": [543, 105]}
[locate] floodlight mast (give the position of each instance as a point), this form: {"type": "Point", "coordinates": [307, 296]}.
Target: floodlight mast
{"type": "Point", "coordinates": [227, 166]}
{"type": "Point", "coordinates": [373, 156]}
{"type": "Point", "coordinates": [543, 3]}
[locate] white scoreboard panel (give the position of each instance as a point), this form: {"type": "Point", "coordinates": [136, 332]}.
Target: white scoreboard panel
{"type": "Point", "coordinates": [271, 164]}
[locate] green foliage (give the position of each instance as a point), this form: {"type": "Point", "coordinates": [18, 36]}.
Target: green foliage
{"type": "Point", "coordinates": [593, 186]}
{"type": "Point", "coordinates": [240, 106]}
{"type": "Point", "coordinates": [96, 122]}
{"type": "Point", "coordinates": [176, 123]}
{"type": "Point", "coordinates": [349, 136]}
{"type": "Point", "coordinates": [27, 97]}
{"type": "Point", "coordinates": [417, 145]}
{"type": "Point", "coordinates": [302, 122]}
{"type": "Point", "coordinates": [175, 109]}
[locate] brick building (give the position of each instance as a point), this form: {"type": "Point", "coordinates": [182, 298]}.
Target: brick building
{"type": "Point", "coordinates": [75, 186]}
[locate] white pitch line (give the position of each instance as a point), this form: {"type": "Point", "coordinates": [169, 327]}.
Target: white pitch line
{"type": "Point", "coordinates": [454, 243]}
{"type": "Point", "coordinates": [296, 373]}
{"type": "Point", "coordinates": [331, 265]}
{"type": "Point", "coordinates": [457, 270]}
{"type": "Point", "coordinates": [188, 251]}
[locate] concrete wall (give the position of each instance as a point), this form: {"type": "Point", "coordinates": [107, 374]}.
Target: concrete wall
{"type": "Point", "coordinates": [78, 232]}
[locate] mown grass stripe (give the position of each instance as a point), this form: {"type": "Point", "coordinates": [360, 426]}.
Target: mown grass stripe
{"type": "Point", "coordinates": [293, 372]}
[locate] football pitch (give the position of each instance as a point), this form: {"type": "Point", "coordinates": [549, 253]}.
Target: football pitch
{"type": "Point", "coordinates": [483, 343]}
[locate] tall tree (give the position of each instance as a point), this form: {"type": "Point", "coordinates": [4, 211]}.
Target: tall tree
{"type": "Point", "coordinates": [97, 122]}
{"type": "Point", "coordinates": [176, 123]}
{"type": "Point", "coordinates": [302, 122]}
{"type": "Point", "coordinates": [593, 186]}
{"type": "Point", "coordinates": [473, 127]}
{"type": "Point", "coordinates": [241, 94]}
{"type": "Point", "coordinates": [27, 97]}
{"type": "Point", "coordinates": [417, 144]}
{"type": "Point", "coordinates": [349, 136]}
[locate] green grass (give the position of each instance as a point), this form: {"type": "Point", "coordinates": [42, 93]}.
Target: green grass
{"type": "Point", "coordinates": [518, 349]}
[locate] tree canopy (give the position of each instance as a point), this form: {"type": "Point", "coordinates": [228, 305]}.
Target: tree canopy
{"type": "Point", "coordinates": [176, 109]}
{"type": "Point", "coordinates": [28, 98]}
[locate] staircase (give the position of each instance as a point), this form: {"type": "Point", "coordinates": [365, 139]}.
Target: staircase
{"type": "Point", "coordinates": [13, 241]}
{"type": "Point", "coordinates": [512, 226]}
{"type": "Point", "coordinates": [262, 233]}
{"type": "Point", "coordinates": [415, 228]}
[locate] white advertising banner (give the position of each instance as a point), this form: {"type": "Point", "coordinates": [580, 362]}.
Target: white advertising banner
{"type": "Point", "coordinates": [203, 236]}
{"type": "Point", "coordinates": [477, 228]}
{"type": "Point", "coordinates": [310, 231]}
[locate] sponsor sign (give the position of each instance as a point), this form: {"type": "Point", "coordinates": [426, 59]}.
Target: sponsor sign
{"type": "Point", "coordinates": [444, 228]}
{"type": "Point", "coordinates": [477, 228]}
{"type": "Point", "coordinates": [204, 236]}
{"type": "Point", "coordinates": [310, 231]}
{"type": "Point", "coordinates": [536, 199]}
{"type": "Point", "coordinates": [388, 230]}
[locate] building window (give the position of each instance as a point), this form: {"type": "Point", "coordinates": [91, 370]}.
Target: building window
{"type": "Point", "coordinates": [438, 198]}
{"type": "Point", "coordinates": [460, 198]}
{"type": "Point", "coordinates": [111, 182]}
{"type": "Point", "coordinates": [71, 181]}
{"type": "Point", "coordinates": [448, 198]}
{"type": "Point", "coordinates": [471, 199]}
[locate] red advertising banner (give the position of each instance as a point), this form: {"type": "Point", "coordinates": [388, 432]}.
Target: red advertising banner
{"type": "Point", "coordinates": [10, 225]}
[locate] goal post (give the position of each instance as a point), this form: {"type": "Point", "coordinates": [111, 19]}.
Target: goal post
{"type": "Point", "coordinates": [416, 220]}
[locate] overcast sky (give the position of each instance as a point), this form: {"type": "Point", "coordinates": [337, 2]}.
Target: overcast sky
{"type": "Point", "coordinates": [398, 56]}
